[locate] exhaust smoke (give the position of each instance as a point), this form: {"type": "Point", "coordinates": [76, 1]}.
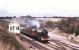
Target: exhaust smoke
{"type": "Point", "coordinates": [34, 24]}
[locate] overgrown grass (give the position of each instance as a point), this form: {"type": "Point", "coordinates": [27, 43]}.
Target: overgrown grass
{"type": "Point", "coordinates": [8, 40]}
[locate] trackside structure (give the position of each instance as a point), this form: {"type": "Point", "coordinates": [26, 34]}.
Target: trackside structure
{"type": "Point", "coordinates": [14, 27]}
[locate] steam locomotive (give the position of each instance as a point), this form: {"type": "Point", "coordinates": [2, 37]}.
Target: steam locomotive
{"type": "Point", "coordinates": [39, 35]}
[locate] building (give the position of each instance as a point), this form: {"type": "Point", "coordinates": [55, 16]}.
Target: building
{"type": "Point", "coordinates": [14, 27]}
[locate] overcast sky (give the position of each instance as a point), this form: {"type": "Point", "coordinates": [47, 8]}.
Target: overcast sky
{"type": "Point", "coordinates": [39, 7]}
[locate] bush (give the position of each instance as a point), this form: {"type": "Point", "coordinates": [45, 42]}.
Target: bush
{"type": "Point", "coordinates": [70, 25]}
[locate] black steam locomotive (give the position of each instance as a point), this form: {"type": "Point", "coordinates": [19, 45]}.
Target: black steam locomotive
{"type": "Point", "coordinates": [39, 35]}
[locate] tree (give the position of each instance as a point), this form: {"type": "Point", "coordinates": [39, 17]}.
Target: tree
{"type": "Point", "coordinates": [67, 25]}
{"type": "Point", "coordinates": [71, 28]}
{"type": "Point", "coordinates": [49, 24]}
{"type": "Point", "coordinates": [76, 29]}
{"type": "Point", "coordinates": [28, 16]}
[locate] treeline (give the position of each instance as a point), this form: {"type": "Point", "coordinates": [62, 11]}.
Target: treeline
{"type": "Point", "coordinates": [69, 25]}
{"type": "Point", "coordinates": [7, 17]}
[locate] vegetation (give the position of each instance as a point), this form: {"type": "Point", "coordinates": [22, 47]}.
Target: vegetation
{"type": "Point", "coordinates": [49, 24]}
{"type": "Point", "coordinates": [8, 40]}
{"type": "Point", "coordinates": [70, 25]}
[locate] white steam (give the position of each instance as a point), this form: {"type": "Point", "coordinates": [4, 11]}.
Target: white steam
{"type": "Point", "coordinates": [34, 23]}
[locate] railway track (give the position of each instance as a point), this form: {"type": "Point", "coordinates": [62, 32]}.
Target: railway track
{"type": "Point", "coordinates": [52, 45]}
{"type": "Point", "coordinates": [37, 45]}
{"type": "Point", "coordinates": [55, 46]}
{"type": "Point", "coordinates": [41, 46]}
{"type": "Point", "coordinates": [67, 46]}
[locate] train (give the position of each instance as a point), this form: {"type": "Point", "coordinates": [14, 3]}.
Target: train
{"type": "Point", "coordinates": [40, 35]}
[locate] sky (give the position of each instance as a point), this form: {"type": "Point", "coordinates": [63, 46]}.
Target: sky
{"type": "Point", "coordinates": [39, 7]}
